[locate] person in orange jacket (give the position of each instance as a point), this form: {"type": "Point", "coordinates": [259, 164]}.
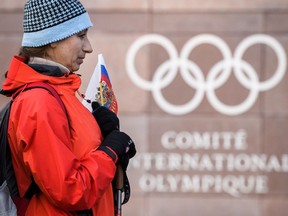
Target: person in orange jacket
{"type": "Point", "coordinates": [71, 156]}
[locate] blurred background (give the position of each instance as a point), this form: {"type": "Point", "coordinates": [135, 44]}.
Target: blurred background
{"type": "Point", "coordinates": [202, 89]}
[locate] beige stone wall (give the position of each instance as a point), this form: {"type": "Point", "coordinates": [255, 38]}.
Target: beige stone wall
{"type": "Point", "coordinates": [206, 165]}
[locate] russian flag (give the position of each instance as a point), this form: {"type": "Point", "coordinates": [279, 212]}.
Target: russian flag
{"type": "Point", "coordinates": [100, 88]}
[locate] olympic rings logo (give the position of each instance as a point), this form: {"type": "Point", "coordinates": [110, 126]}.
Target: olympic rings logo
{"type": "Point", "coordinates": [216, 77]}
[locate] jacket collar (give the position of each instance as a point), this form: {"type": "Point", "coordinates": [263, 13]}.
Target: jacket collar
{"type": "Point", "coordinates": [48, 67]}
{"type": "Point", "coordinates": [19, 73]}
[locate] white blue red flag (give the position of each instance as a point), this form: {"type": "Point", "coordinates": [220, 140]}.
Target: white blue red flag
{"type": "Point", "coordinates": [100, 89]}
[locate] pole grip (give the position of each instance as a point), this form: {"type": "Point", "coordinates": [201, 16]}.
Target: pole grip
{"type": "Point", "coordinates": [119, 184]}
{"type": "Point", "coordinates": [119, 178]}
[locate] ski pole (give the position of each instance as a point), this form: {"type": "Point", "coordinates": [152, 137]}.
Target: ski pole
{"type": "Point", "coordinates": [119, 188]}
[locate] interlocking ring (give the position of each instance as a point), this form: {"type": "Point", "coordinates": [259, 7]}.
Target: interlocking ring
{"type": "Point", "coordinates": [216, 77]}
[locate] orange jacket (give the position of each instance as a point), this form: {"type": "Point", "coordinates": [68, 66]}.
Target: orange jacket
{"type": "Point", "coordinates": [60, 154]}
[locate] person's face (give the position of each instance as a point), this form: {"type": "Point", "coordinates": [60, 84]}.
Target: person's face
{"type": "Point", "coordinates": [71, 51]}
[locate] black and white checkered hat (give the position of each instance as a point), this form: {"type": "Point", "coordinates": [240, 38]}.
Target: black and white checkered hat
{"type": "Point", "coordinates": [47, 21]}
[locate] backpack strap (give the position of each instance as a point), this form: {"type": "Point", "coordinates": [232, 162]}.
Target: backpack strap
{"type": "Point", "coordinates": [42, 85]}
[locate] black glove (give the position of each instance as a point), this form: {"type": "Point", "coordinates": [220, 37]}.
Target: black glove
{"type": "Point", "coordinates": [120, 144]}
{"type": "Point", "coordinates": [106, 119]}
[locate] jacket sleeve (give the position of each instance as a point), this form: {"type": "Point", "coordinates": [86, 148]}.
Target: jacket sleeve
{"type": "Point", "coordinates": [44, 142]}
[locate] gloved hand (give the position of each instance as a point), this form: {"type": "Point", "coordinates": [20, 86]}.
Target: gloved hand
{"type": "Point", "coordinates": [118, 144]}
{"type": "Point", "coordinates": [106, 119]}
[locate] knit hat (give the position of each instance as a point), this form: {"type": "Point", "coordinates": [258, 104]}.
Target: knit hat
{"type": "Point", "coordinates": [47, 21]}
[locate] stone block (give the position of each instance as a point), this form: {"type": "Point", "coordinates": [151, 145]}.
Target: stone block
{"type": "Point", "coordinates": [118, 5]}
{"type": "Point", "coordinates": [275, 100]}
{"type": "Point", "coordinates": [275, 22]}
{"type": "Point", "coordinates": [275, 206]}
{"type": "Point", "coordinates": [119, 22]}
{"type": "Point", "coordinates": [220, 5]}
{"type": "Point", "coordinates": [11, 22]}
{"type": "Point", "coordinates": [207, 22]}
{"type": "Point", "coordinates": [186, 206]}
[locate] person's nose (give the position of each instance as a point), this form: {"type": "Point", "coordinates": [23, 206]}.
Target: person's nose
{"type": "Point", "coordinates": [87, 48]}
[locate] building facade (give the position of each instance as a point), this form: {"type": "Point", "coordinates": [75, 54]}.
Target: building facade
{"type": "Point", "coordinates": [201, 87]}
